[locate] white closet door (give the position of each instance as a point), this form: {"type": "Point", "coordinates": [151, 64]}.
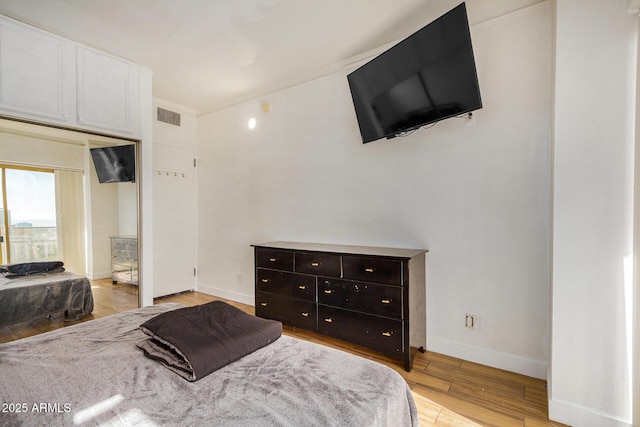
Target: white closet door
{"type": "Point", "coordinates": [174, 220]}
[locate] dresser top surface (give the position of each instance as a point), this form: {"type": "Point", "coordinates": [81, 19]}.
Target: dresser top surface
{"type": "Point", "coordinates": [344, 249]}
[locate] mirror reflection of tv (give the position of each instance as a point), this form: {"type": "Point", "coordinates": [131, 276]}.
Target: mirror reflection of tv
{"type": "Point", "coordinates": [429, 76]}
{"type": "Point", "coordinates": [115, 164]}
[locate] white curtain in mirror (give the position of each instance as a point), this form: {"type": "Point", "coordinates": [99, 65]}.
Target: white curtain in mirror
{"type": "Point", "coordinates": [70, 219]}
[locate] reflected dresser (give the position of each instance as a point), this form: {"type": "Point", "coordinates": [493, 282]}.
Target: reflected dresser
{"type": "Point", "coordinates": [124, 259]}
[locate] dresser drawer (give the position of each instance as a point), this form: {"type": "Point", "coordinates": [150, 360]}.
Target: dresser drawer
{"type": "Point", "coordinates": [117, 244]}
{"type": "Point", "coordinates": [132, 252]}
{"type": "Point", "coordinates": [122, 276]}
{"type": "Point", "coordinates": [378, 333]}
{"type": "Point", "coordinates": [318, 263]}
{"type": "Point", "coordinates": [372, 270]}
{"type": "Point", "coordinates": [268, 306]}
{"type": "Point", "coordinates": [129, 245]}
{"type": "Point", "coordinates": [380, 300]}
{"type": "Point", "coordinates": [123, 257]}
{"type": "Point", "coordinates": [290, 311]}
{"type": "Point", "coordinates": [286, 284]}
{"type": "Point", "coordinates": [278, 260]}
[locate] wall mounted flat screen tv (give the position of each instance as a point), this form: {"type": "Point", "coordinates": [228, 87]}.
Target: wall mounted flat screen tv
{"type": "Point", "coordinates": [115, 164]}
{"type": "Point", "coordinates": [429, 76]}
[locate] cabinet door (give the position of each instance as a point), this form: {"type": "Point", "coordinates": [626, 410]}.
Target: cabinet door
{"type": "Point", "coordinates": [108, 91]}
{"type": "Point", "coordinates": [36, 73]}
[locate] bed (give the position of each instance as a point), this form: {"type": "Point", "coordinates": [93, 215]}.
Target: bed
{"type": "Point", "coordinates": [47, 294]}
{"type": "Point", "coordinates": [93, 373]}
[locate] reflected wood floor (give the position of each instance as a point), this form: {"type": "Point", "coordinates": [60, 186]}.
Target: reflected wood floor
{"type": "Point", "coordinates": [447, 391]}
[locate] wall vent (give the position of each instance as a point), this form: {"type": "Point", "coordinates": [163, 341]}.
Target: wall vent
{"type": "Point", "coordinates": [167, 116]}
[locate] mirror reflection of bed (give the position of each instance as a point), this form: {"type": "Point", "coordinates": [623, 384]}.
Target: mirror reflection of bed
{"type": "Point", "coordinates": [88, 213]}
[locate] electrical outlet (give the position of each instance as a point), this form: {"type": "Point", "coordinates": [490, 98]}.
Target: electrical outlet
{"type": "Point", "coordinates": [471, 321]}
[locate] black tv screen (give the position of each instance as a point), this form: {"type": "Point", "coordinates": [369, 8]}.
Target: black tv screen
{"type": "Point", "coordinates": [429, 76]}
{"type": "Point", "coordinates": [115, 164]}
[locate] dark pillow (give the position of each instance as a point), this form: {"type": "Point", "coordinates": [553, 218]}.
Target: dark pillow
{"type": "Point", "coordinates": [27, 268]}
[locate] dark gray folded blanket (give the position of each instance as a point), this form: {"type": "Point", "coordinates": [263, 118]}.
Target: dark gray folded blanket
{"type": "Point", "coordinates": [28, 268]}
{"type": "Point", "coordinates": [196, 341]}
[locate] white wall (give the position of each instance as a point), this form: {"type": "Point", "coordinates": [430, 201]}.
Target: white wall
{"type": "Point", "coordinates": [596, 59]}
{"type": "Point", "coordinates": [477, 197]}
{"type": "Point", "coordinates": [127, 209]}
{"type": "Point", "coordinates": [23, 148]}
{"type": "Point", "coordinates": [112, 211]}
{"type": "Point", "coordinates": [102, 223]}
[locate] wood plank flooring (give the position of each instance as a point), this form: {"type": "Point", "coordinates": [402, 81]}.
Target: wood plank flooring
{"type": "Point", "coordinates": [447, 391]}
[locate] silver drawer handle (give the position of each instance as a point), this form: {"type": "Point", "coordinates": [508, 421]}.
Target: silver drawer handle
{"type": "Point", "coordinates": [264, 304]}
{"type": "Point", "coordinates": [328, 291]}
{"type": "Point", "coordinates": [328, 320]}
{"type": "Point", "coordinates": [305, 314]}
{"type": "Point", "coordinates": [386, 301]}
{"type": "Point", "coordinates": [266, 280]}
{"type": "Point", "coordinates": [369, 270]}
{"type": "Point", "coordinates": [273, 259]}
{"type": "Point", "coordinates": [303, 287]}
{"type": "Point", "coordinates": [386, 334]}
{"type": "Point", "coordinates": [315, 264]}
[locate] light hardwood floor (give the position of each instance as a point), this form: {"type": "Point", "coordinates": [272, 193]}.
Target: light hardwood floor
{"type": "Point", "coordinates": [447, 391]}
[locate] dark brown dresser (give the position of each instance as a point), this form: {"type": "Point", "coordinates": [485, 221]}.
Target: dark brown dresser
{"type": "Point", "coordinates": [369, 296]}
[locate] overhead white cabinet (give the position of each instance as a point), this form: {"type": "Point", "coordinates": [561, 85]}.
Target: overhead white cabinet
{"type": "Point", "coordinates": [49, 79]}
{"type": "Point", "coordinates": [37, 74]}
{"type": "Point", "coordinates": [107, 92]}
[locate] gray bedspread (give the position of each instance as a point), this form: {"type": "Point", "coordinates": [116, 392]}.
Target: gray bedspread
{"type": "Point", "coordinates": [93, 374]}
{"type": "Point", "coordinates": [43, 295]}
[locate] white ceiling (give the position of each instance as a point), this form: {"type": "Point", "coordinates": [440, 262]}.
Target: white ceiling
{"type": "Point", "coordinates": [210, 54]}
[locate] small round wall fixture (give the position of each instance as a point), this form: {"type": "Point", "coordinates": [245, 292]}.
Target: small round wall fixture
{"type": "Point", "coordinates": [252, 123]}
{"type": "Point", "coordinates": [266, 107]}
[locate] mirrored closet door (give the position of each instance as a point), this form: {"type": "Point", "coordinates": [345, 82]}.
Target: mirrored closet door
{"type": "Point", "coordinates": [70, 196]}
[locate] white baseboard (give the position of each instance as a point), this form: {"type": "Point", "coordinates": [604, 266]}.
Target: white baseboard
{"type": "Point", "coordinates": [521, 365]}
{"type": "Point", "coordinates": [98, 276]}
{"type": "Point", "coordinates": [223, 293]}
{"type": "Point", "coordinates": [577, 415]}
